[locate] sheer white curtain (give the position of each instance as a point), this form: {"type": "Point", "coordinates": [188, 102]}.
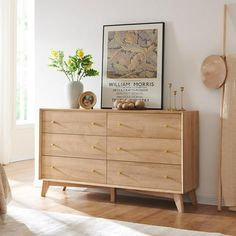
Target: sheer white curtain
{"type": "Point", "coordinates": [7, 76]}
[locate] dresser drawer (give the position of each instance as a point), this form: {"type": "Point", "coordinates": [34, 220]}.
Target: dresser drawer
{"type": "Point", "coordinates": [144, 175]}
{"type": "Point", "coordinates": [144, 150]}
{"type": "Point", "coordinates": [70, 122]}
{"type": "Point", "coordinates": [93, 147]}
{"type": "Point", "coordinates": [144, 125]}
{"type": "Point", "coordinates": [73, 169]}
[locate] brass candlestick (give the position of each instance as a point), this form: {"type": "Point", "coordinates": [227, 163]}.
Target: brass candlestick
{"type": "Point", "coordinates": [175, 93]}
{"type": "Point", "coordinates": [182, 98]}
{"type": "Point", "coordinates": [170, 94]}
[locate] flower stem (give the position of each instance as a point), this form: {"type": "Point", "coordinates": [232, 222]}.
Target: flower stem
{"type": "Point", "coordinates": [81, 76]}
{"type": "Point", "coordinates": [66, 75]}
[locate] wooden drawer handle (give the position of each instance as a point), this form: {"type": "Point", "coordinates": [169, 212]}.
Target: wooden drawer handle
{"type": "Point", "coordinates": [120, 124]}
{"type": "Point", "coordinates": [93, 123]}
{"type": "Point", "coordinates": [52, 167]}
{"type": "Point", "coordinates": [53, 145]}
{"type": "Point", "coordinates": [93, 147]}
{"type": "Point", "coordinates": [166, 151]}
{"type": "Point", "coordinates": [166, 177]}
{"type": "Point", "coordinates": [120, 173]}
{"type": "Point", "coordinates": [167, 126]}
{"type": "Point", "coordinates": [119, 148]}
{"type": "Point", "coordinates": [53, 122]}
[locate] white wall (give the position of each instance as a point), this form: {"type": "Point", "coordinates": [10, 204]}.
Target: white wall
{"type": "Point", "coordinates": [23, 143]}
{"type": "Point", "coordinates": [193, 31]}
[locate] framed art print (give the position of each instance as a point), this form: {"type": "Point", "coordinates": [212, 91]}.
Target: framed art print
{"type": "Point", "coordinates": [132, 66]}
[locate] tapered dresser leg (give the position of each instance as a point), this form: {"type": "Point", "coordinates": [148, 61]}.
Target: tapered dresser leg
{"type": "Point", "coordinates": [113, 194]}
{"type": "Point", "coordinates": [44, 188]}
{"type": "Point", "coordinates": [179, 202]}
{"type": "Point", "coordinates": [193, 198]}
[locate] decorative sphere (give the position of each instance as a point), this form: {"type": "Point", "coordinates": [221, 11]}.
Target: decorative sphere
{"type": "Point", "coordinates": [116, 103]}
{"type": "Point", "coordinates": [131, 105]}
{"type": "Point", "coordinates": [139, 104]}
{"type": "Point", "coordinates": [119, 106]}
{"type": "Point", "coordinates": [125, 106]}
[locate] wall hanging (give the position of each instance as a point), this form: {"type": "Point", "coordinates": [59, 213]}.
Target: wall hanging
{"type": "Point", "coordinates": [132, 66]}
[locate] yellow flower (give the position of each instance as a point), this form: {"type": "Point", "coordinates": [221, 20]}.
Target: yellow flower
{"type": "Point", "coordinates": [69, 62]}
{"type": "Point", "coordinates": [80, 53]}
{"type": "Point", "coordinates": [54, 54]}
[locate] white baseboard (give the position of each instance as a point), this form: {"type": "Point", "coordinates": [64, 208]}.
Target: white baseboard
{"type": "Point", "coordinates": [202, 199]}
{"type": "Point", "coordinates": [207, 199]}
{"type": "Point", "coordinates": [21, 158]}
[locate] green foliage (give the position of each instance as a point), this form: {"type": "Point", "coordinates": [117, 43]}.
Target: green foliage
{"type": "Point", "coordinates": [75, 67]}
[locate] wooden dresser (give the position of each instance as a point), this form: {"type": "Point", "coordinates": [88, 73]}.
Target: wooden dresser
{"type": "Point", "coordinates": [152, 152]}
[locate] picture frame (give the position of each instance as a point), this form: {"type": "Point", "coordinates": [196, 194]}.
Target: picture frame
{"type": "Point", "coordinates": [87, 100]}
{"type": "Point", "coordinates": [133, 63]}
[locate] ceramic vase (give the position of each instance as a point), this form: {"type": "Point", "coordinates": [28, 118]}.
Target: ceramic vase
{"type": "Point", "coordinates": [73, 90]}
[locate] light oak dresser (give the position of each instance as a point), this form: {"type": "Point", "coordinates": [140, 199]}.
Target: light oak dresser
{"type": "Point", "coordinates": [151, 152]}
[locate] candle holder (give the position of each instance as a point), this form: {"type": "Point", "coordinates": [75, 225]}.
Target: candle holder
{"type": "Point", "coordinates": [175, 93]}
{"type": "Point", "coordinates": [182, 98]}
{"type": "Point", "coordinates": [170, 94]}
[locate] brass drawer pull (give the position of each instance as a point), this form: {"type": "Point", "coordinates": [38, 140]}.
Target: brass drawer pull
{"type": "Point", "coordinates": [95, 171]}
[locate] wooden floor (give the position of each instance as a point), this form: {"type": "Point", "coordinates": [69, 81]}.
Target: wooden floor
{"type": "Point", "coordinates": [133, 209]}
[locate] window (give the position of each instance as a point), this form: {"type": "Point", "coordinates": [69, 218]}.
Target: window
{"type": "Point", "coordinates": [25, 62]}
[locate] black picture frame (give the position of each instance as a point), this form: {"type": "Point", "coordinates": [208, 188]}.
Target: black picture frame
{"type": "Point", "coordinates": [133, 63]}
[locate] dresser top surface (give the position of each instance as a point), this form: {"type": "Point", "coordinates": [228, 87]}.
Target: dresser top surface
{"type": "Point", "coordinates": [149, 111]}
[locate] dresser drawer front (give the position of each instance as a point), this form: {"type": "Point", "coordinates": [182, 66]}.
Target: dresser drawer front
{"type": "Point", "coordinates": [144, 125]}
{"type": "Point", "coordinates": [144, 150]}
{"type": "Point", "coordinates": [73, 169]}
{"type": "Point", "coordinates": [70, 122]}
{"type": "Point", "coordinates": [144, 175]}
{"type": "Point", "coordinates": [74, 146]}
